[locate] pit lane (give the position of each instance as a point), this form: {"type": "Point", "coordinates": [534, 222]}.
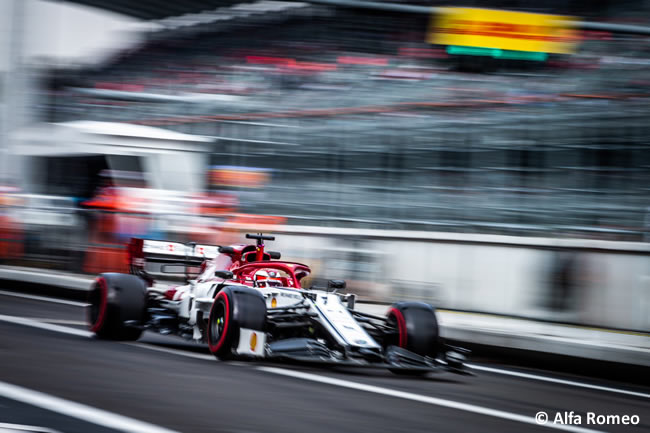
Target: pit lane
{"type": "Point", "coordinates": [177, 385]}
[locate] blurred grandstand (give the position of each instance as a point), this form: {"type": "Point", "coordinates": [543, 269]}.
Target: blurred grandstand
{"type": "Point", "coordinates": [357, 122]}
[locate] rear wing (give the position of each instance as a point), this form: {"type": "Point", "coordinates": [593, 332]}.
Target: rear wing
{"type": "Point", "coordinates": [142, 252]}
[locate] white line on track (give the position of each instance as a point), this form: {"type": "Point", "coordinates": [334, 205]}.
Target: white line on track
{"type": "Point", "coordinates": [87, 334]}
{"type": "Point", "coordinates": [78, 410]}
{"type": "Point", "coordinates": [59, 321]}
{"type": "Point", "coordinates": [423, 399]}
{"type": "Point", "coordinates": [64, 322]}
{"type": "Point", "coordinates": [47, 326]}
{"type": "Point", "coordinates": [174, 352]}
{"type": "Point", "coordinates": [34, 323]}
{"type": "Point", "coordinates": [554, 380]}
{"type": "Point", "coordinates": [10, 428]}
{"type": "Point", "coordinates": [82, 333]}
{"type": "Point", "coordinates": [44, 298]}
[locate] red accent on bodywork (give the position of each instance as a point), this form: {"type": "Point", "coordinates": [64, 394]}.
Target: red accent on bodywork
{"type": "Point", "coordinates": [101, 317]}
{"type": "Point", "coordinates": [170, 293]}
{"type": "Point", "coordinates": [251, 257]}
{"type": "Point", "coordinates": [236, 257]}
{"type": "Point", "coordinates": [222, 337]}
{"type": "Point", "coordinates": [401, 326]}
{"type": "Point", "coordinates": [259, 253]}
{"type": "Point", "coordinates": [203, 267]}
{"type": "Point", "coordinates": [135, 252]}
{"type": "Point", "coordinates": [290, 268]}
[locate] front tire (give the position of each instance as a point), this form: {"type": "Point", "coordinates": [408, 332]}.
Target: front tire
{"type": "Point", "coordinates": [116, 299]}
{"type": "Point", "coordinates": [417, 331]}
{"type": "Point", "coordinates": [234, 308]}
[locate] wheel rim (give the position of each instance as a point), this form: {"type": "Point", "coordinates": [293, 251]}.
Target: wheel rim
{"type": "Point", "coordinates": [218, 322]}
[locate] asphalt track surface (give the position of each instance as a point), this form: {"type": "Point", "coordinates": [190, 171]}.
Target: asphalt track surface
{"type": "Point", "coordinates": [177, 385]}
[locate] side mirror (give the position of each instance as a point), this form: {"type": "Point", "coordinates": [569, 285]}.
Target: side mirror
{"type": "Point", "coordinates": [226, 275]}
{"type": "Point", "coordinates": [275, 254]}
{"type": "Point", "coordinates": [336, 284]}
{"type": "Point", "coordinates": [226, 250]}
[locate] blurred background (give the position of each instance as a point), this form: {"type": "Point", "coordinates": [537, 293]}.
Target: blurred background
{"type": "Point", "coordinates": [491, 158]}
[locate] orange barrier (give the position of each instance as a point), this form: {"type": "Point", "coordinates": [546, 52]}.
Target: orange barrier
{"type": "Point", "coordinates": [107, 253]}
{"type": "Point", "coordinates": [11, 240]}
{"type": "Point", "coordinates": [106, 259]}
{"type": "Point", "coordinates": [11, 249]}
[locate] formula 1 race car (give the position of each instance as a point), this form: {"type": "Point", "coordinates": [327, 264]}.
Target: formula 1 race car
{"type": "Point", "coordinates": [246, 303]}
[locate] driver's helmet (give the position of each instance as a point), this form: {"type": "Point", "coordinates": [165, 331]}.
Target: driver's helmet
{"type": "Point", "coordinates": [267, 278]}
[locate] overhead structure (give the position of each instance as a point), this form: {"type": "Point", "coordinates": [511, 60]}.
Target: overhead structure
{"type": "Point", "coordinates": [157, 10]}
{"type": "Point", "coordinates": [188, 10]}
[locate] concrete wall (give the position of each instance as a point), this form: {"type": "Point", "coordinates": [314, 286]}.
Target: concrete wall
{"type": "Point", "coordinates": [596, 283]}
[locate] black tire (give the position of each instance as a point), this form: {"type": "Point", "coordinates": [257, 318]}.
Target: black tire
{"type": "Point", "coordinates": [234, 308]}
{"type": "Point", "coordinates": [114, 300]}
{"type": "Point", "coordinates": [418, 331]}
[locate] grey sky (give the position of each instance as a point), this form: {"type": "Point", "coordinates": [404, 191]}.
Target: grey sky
{"type": "Point", "coordinates": [65, 31]}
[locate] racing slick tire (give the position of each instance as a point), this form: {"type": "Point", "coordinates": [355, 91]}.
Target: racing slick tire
{"type": "Point", "coordinates": [117, 307]}
{"type": "Point", "coordinates": [234, 308]}
{"type": "Point", "coordinates": [418, 331]}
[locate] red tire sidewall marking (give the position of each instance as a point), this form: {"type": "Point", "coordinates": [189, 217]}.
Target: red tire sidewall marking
{"type": "Point", "coordinates": [222, 338]}
{"type": "Point", "coordinates": [401, 326]}
{"type": "Point", "coordinates": [103, 304]}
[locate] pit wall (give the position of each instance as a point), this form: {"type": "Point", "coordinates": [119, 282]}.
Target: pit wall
{"type": "Point", "coordinates": [586, 282]}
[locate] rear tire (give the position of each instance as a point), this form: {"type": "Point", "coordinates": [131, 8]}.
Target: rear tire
{"type": "Point", "coordinates": [418, 331]}
{"type": "Point", "coordinates": [114, 300]}
{"type": "Point", "coordinates": [234, 308]}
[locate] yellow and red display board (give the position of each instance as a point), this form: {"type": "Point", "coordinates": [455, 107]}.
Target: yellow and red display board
{"type": "Point", "coordinates": [505, 30]}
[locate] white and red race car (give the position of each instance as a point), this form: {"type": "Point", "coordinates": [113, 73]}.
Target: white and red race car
{"type": "Point", "coordinates": [244, 302]}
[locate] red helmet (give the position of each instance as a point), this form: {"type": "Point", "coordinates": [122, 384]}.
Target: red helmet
{"type": "Point", "coordinates": [267, 278]}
